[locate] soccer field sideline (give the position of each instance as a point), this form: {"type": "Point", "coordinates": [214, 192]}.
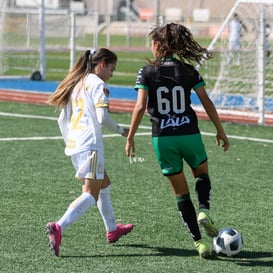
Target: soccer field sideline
{"type": "Point", "coordinates": [262, 140]}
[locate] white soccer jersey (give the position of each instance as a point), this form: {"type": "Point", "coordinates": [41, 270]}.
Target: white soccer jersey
{"type": "Point", "coordinates": [78, 120]}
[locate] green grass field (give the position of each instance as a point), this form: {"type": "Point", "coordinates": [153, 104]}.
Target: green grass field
{"type": "Point", "coordinates": [37, 185]}
{"type": "Point", "coordinates": [23, 63]}
{"type": "Point", "coordinates": [57, 65]}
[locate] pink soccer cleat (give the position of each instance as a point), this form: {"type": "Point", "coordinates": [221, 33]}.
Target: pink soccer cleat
{"type": "Point", "coordinates": [54, 235]}
{"type": "Point", "coordinates": [121, 230]}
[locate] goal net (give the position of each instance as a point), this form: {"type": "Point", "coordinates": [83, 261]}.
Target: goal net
{"type": "Point", "coordinates": [20, 39]}
{"type": "Point", "coordinates": [242, 76]}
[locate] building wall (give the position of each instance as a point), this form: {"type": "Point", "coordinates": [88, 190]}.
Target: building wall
{"type": "Point", "coordinates": [218, 9]}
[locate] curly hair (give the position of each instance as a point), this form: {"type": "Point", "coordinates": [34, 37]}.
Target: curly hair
{"type": "Point", "coordinates": [176, 39]}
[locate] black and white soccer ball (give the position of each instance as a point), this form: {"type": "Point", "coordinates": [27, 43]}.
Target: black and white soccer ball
{"type": "Point", "coordinates": [229, 242]}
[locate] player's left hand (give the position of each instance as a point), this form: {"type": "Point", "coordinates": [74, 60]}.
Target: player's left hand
{"type": "Point", "coordinates": [222, 140]}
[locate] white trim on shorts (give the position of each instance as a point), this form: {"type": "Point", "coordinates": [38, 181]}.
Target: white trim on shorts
{"type": "Point", "coordinates": [89, 164]}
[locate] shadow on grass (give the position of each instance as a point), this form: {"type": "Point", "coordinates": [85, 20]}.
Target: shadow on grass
{"type": "Point", "coordinates": [250, 258]}
{"type": "Point", "coordinates": [157, 251]}
{"type": "Point", "coordinates": [245, 258]}
{"type": "Point", "coordinates": [162, 251]}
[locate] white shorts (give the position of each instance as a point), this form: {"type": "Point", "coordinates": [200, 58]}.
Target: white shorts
{"type": "Point", "coordinates": [89, 164]}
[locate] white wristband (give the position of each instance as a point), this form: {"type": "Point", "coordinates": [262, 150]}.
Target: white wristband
{"type": "Point", "coordinates": [120, 130]}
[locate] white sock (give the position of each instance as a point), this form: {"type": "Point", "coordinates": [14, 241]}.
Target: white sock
{"type": "Point", "coordinates": [106, 210]}
{"type": "Point", "coordinates": [76, 209]}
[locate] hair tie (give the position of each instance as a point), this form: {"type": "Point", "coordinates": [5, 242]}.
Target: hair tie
{"type": "Point", "coordinates": [92, 52]}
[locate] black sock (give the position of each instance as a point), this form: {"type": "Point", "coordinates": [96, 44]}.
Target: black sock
{"type": "Point", "coordinates": [202, 188]}
{"type": "Point", "coordinates": [187, 213]}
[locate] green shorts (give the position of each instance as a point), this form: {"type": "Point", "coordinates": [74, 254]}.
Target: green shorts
{"type": "Point", "coordinates": [171, 150]}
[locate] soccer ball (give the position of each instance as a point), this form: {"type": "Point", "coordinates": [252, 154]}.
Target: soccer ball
{"type": "Point", "coordinates": [228, 242]}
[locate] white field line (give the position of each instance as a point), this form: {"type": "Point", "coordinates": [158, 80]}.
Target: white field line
{"type": "Point", "coordinates": [262, 140]}
{"type": "Point", "coordinates": [26, 116]}
{"type": "Point", "coordinates": [59, 137]}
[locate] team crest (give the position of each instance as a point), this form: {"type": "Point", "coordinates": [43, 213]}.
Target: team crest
{"type": "Point", "coordinates": [106, 92]}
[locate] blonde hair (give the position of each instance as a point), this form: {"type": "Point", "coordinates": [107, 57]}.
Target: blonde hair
{"type": "Point", "coordinates": [85, 65]}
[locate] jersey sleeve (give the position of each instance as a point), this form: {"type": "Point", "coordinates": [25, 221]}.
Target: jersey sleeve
{"type": "Point", "coordinates": [197, 80]}
{"type": "Point", "coordinates": [105, 119]}
{"type": "Point", "coordinates": [141, 80]}
{"type": "Point", "coordinates": [64, 120]}
{"type": "Point", "coordinates": [101, 96]}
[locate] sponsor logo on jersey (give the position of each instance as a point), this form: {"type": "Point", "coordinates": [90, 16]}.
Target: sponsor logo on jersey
{"type": "Point", "coordinates": [174, 121]}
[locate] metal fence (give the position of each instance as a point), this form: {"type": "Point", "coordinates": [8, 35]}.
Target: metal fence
{"type": "Point", "coordinates": [30, 37]}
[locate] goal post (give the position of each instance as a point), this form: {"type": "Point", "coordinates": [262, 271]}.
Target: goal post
{"type": "Point", "coordinates": [244, 78]}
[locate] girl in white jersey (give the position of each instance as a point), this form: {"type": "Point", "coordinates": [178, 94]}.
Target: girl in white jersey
{"type": "Point", "coordinates": [84, 99]}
